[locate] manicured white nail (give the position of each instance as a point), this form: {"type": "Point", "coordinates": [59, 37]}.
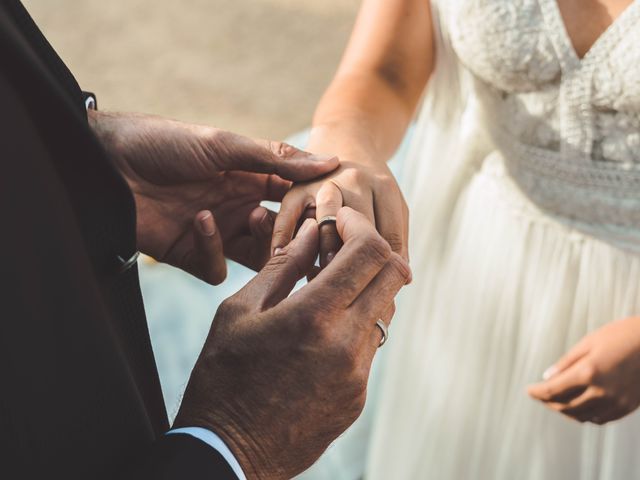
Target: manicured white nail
{"type": "Point", "coordinates": [207, 225]}
{"type": "Point", "coordinates": [277, 251]}
{"type": "Point", "coordinates": [549, 372]}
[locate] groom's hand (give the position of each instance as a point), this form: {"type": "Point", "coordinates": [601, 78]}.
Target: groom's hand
{"type": "Point", "coordinates": [279, 376]}
{"type": "Point", "coordinates": [198, 189]}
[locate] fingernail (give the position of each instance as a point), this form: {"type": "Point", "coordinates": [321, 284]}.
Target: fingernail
{"type": "Point", "coordinates": [306, 226]}
{"type": "Point", "coordinates": [330, 256]}
{"type": "Point", "coordinates": [321, 157]}
{"type": "Point", "coordinates": [207, 225]}
{"type": "Point", "coordinates": [549, 372]}
{"type": "Point", "coordinates": [266, 225]}
{"type": "Point", "coordinates": [277, 251]}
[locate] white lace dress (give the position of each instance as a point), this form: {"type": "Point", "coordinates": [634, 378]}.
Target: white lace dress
{"type": "Point", "coordinates": [525, 199]}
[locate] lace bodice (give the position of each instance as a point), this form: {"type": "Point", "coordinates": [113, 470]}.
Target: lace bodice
{"type": "Point", "coordinates": [569, 128]}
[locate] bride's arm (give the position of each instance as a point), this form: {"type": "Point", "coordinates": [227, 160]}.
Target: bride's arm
{"type": "Point", "coordinates": [380, 80]}
{"type": "Point", "coordinates": [362, 118]}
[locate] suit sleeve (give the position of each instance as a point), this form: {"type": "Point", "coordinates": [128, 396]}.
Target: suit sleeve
{"type": "Point", "coordinates": [69, 408]}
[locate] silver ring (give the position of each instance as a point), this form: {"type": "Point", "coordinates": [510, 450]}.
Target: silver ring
{"type": "Point", "coordinates": [327, 219]}
{"type": "Point", "coordinates": [385, 331]}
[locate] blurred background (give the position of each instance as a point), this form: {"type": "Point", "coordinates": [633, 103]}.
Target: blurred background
{"type": "Point", "coordinates": [254, 66]}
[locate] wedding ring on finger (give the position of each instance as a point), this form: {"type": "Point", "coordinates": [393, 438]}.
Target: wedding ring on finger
{"type": "Point", "coordinates": [327, 219]}
{"type": "Point", "coordinates": [384, 330]}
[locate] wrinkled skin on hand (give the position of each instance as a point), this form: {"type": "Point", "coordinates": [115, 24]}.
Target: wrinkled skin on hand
{"type": "Point", "coordinates": [198, 189]}
{"type": "Point", "coordinates": [280, 377]}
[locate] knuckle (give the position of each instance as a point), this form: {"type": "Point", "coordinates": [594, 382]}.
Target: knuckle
{"type": "Point", "coordinates": [227, 304]}
{"type": "Point", "coordinates": [352, 175]}
{"type": "Point", "coordinates": [221, 139]}
{"type": "Point", "coordinates": [588, 373]}
{"type": "Point", "coordinates": [282, 149]}
{"type": "Point", "coordinates": [280, 232]}
{"type": "Point", "coordinates": [283, 261]}
{"type": "Point", "coordinates": [314, 329]}
{"type": "Point", "coordinates": [345, 357]}
{"type": "Point", "coordinates": [546, 393]}
{"type": "Point", "coordinates": [232, 306]}
{"type": "Point", "coordinates": [395, 240]}
{"type": "Point", "coordinates": [400, 266]}
{"type": "Point", "coordinates": [330, 196]}
{"type": "Point", "coordinates": [387, 182]}
{"type": "Point", "coordinates": [318, 330]}
{"type": "Point", "coordinates": [375, 247]}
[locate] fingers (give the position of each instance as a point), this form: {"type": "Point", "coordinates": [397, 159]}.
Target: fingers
{"type": "Point", "coordinates": [278, 277]}
{"type": "Point", "coordinates": [276, 188]}
{"type": "Point", "coordinates": [363, 255]}
{"type": "Point", "coordinates": [379, 294]}
{"type": "Point", "coordinates": [575, 354]}
{"type": "Point", "coordinates": [392, 223]}
{"type": "Point", "coordinates": [208, 259]}
{"type": "Point", "coordinates": [565, 385]}
{"type": "Point", "coordinates": [236, 152]}
{"type": "Point", "coordinates": [292, 209]}
{"type": "Point", "coordinates": [253, 250]}
{"type": "Point", "coordinates": [261, 222]}
{"type": "Point", "coordinates": [328, 203]}
{"type": "Point", "coordinates": [584, 407]}
{"type": "Point", "coordinates": [591, 406]}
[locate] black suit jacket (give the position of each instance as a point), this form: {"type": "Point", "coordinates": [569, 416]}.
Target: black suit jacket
{"type": "Point", "coordinates": [79, 390]}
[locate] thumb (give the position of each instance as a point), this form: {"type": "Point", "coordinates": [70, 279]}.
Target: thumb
{"type": "Point", "coordinates": [207, 262]}
{"type": "Point", "coordinates": [288, 265]}
{"type": "Point", "coordinates": [266, 156]}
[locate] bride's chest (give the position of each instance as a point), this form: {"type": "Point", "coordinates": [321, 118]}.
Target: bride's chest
{"type": "Point", "coordinates": [523, 46]}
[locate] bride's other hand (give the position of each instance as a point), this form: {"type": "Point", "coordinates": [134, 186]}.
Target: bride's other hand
{"type": "Point", "coordinates": [597, 381]}
{"type": "Point", "coordinates": [367, 187]}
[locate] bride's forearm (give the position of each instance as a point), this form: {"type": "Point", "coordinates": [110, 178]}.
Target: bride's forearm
{"type": "Point", "coordinates": [361, 117]}
{"type": "Point", "coordinates": [364, 113]}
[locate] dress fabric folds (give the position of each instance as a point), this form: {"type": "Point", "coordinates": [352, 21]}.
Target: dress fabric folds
{"type": "Point", "coordinates": [519, 248]}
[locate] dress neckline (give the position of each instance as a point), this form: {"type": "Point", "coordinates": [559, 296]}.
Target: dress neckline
{"type": "Point", "coordinates": [564, 44]}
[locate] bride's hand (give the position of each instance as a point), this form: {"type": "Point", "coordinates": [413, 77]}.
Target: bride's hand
{"type": "Point", "coordinates": [597, 381]}
{"type": "Point", "coordinates": [367, 187]}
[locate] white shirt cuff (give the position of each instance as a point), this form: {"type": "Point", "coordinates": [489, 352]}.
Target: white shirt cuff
{"type": "Point", "coordinates": [215, 442]}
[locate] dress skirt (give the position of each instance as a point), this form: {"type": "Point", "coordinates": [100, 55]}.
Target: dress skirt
{"type": "Point", "coordinates": [509, 291]}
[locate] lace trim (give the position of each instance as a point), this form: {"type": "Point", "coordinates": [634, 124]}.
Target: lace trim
{"type": "Point", "coordinates": [577, 113]}
{"type": "Point", "coordinates": [499, 181]}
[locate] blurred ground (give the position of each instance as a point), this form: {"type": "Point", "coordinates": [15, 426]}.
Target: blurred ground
{"type": "Point", "coordinates": [254, 66]}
